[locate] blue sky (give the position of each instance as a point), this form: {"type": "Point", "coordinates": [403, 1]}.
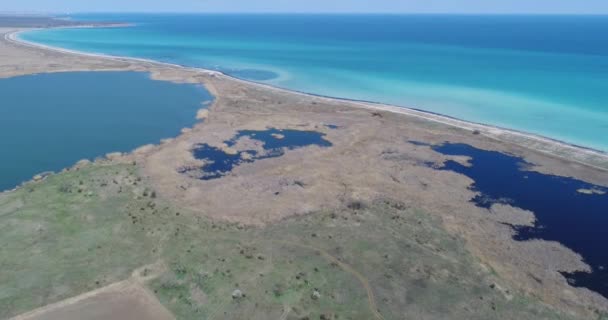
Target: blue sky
{"type": "Point", "coordinates": [393, 6]}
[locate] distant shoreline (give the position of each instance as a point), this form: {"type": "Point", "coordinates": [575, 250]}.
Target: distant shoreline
{"type": "Point", "coordinates": [490, 131]}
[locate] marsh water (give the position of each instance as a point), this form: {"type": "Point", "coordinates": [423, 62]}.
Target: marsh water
{"type": "Point", "coordinates": [274, 143]}
{"type": "Point", "coordinates": [569, 211]}
{"type": "Point", "coordinates": [50, 121]}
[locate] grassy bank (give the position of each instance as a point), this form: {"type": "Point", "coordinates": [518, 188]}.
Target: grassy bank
{"type": "Point", "coordinates": [87, 228]}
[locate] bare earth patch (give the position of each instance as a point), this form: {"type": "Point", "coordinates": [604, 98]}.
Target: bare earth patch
{"type": "Point", "coordinates": [126, 300]}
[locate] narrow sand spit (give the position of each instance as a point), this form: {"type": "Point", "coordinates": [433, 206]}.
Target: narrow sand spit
{"type": "Point", "coordinates": [586, 156]}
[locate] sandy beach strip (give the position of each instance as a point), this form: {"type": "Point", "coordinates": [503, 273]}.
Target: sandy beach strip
{"type": "Point", "coordinates": [583, 155]}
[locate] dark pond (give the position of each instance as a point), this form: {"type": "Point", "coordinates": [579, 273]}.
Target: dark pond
{"type": "Point", "coordinates": [275, 142]}
{"type": "Point", "coordinates": [577, 220]}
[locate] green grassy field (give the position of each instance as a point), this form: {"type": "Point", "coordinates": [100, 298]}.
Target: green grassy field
{"type": "Point", "coordinates": [68, 235]}
{"type": "Point", "coordinates": [85, 229]}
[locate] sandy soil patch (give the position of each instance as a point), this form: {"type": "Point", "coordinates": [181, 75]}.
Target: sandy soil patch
{"type": "Point", "coordinates": [126, 300]}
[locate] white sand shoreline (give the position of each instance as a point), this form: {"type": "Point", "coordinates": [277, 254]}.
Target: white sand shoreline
{"type": "Point", "coordinates": [494, 132]}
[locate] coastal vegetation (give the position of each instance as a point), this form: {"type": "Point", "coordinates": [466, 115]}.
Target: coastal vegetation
{"type": "Point", "coordinates": [95, 224]}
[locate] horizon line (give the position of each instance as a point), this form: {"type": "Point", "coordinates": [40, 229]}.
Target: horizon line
{"type": "Point", "coordinates": [47, 13]}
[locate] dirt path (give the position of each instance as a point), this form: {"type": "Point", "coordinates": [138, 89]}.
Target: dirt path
{"type": "Point", "coordinates": [371, 298]}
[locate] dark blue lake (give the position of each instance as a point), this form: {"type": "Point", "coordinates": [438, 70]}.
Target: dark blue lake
{"type": "Point", "coordinates": [564, 214]}
{"type": "Point", "coordinates": [275, 142]}
{"type": "Point", "coordinates": [50, 121]}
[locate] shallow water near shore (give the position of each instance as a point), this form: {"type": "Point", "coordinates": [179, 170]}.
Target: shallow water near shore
{"type": "Point", "coordinates": [50, 121]}
{"type": "Point", "coordinates": [569, 211]}
{"type": "Point", "coordinates": [541, 74]}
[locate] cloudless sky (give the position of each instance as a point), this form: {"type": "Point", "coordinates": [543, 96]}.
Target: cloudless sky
{"type": "Point", "coordinates": [301, 6]}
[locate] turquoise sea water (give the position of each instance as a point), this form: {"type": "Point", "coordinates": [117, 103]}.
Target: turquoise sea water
{"type": "Point", "coordinates": [50, 121]}
{"type": "Point", "coordinates": [542, 74]}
